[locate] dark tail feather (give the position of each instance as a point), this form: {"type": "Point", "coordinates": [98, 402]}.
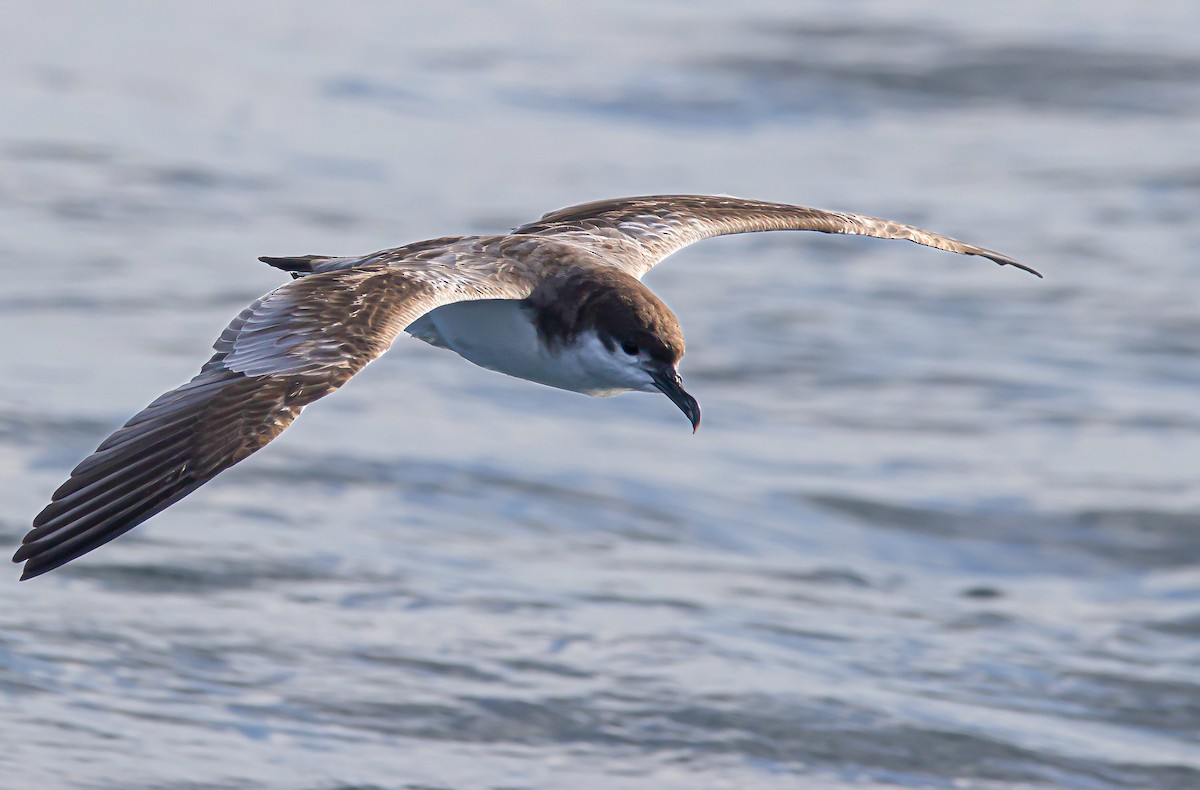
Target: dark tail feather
{"type": "Point", "coordinates": [299, 265]}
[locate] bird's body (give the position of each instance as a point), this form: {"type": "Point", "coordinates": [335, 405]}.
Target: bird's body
{"type": "Point", "coordinates": [558, 302]}
{"type": "Point", "coordinates": [501, 335]}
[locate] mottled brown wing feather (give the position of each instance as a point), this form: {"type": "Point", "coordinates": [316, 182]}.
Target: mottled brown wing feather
{"type": "Point", "coordinates": [167, 451]}
{"type": "Point", "coordinates": [286, 350]}
{"type": "Point", "coordinates": [636, 233]}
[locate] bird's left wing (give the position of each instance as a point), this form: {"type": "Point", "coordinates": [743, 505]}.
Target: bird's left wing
{"type": "Point", "coordinates": [294, 345]}
{"type": "Point", "coordinates": [635, 233]}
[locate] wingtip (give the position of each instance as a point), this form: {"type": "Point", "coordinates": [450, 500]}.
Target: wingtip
{"type": "Point", "coordinates": [1004, 260]}
{"type": "Point", "coordinates": [26, 572]}
{"type": "Point", "coordinates": [34, 568]}
{"type": "Point", "coordinates": [22, 555]}
{"type": "Point", "coordinates": [1025, 268]}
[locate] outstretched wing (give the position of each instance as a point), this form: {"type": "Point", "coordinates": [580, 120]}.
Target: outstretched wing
{"type": "Point", "coordinates": [286, 350]}
{"type": "Point", "coordinates": [636, 233]}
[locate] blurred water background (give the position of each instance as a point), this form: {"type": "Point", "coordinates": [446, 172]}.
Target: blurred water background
{"type": "Point", "coordinates": [940, 525]}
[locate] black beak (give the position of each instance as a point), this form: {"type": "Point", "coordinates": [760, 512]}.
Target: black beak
{"type": "Point", "coordinates": [671, 385]}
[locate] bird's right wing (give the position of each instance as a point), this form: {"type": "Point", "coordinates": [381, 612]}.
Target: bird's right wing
{"type": "Point", "coordinates": [636, 233]}
{"type": "Point", "coordinates": [294, 345]}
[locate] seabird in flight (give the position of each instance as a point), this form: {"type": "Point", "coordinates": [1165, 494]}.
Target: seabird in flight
{"type": "Point", "coordinates": [558, 301]}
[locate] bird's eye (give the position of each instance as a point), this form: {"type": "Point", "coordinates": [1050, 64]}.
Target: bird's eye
{"type": "Point", "coordinates": [630, 348]}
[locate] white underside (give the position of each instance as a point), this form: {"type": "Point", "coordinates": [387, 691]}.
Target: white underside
{"type": "Point", "coordinates": [498, 334]}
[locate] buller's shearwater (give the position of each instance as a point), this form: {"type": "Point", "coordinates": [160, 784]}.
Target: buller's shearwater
{"type": "Point", "coordinates": [558, 301]}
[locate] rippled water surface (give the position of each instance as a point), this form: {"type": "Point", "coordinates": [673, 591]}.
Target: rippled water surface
{"type": "Point", "coordinates": [939, 528]}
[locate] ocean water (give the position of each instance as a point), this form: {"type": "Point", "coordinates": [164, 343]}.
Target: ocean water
{"type": "Point", "coordinates": [941, 524]}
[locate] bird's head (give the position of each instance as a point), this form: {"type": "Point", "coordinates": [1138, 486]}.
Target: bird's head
{"type": "Point", "coordinates": [645, 344]}
{"type": "Point", "coordinates": [625, 336]}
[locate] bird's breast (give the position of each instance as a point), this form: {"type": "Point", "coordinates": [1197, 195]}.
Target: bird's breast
{"type": "Point", "coordinates": [500, 335]}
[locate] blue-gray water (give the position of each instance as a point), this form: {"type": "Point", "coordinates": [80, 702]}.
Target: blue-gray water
{"type": "Point", "coordinates": [940, 525]}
